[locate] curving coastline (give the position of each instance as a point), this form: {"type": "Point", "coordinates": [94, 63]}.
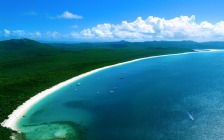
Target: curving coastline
{"type": "Point", "coordinates": [12, 120]}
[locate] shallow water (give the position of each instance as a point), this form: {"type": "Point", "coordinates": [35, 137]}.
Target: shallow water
{"type": "Point", "coordinates": [172, 97]}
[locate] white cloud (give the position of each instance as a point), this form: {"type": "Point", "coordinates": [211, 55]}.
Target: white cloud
{"type": "Point", "coordinates": [219, 28]}
{"type": "Point", "coordinates": [53, 34]}
{"type": "Point", "coordinates": [6, 33]}
{"type": "Point", "coordinates": [35, 35]}
{"type": "Point", "coordinates": [74, 35]}
{"type": "Point", "coordinates": [155, 28]}
{"type": "Point", "coordinates": [69, 15]}
{"type": "Point", "coordinates": [206, 25]}
{"type": "Point", "coordinates": [20, 34]}
{"type": "Point", "coordinates": [151, 28]}
{"type": "Point", "coordinates": [100, 31]}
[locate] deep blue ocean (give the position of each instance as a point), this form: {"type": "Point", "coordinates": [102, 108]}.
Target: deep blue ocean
{"type": "Point", "coordinates": [172, 97]}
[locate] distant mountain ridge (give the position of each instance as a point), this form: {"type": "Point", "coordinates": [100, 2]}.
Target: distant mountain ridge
{"type": "Point", "coordinates": [31, 45]}
{"type": "Point", "coordinates": [24, 46]}
{"type": "Point", "coordinates": [20, 43]}
{"type": "Point", "coordinates": [143, 45]}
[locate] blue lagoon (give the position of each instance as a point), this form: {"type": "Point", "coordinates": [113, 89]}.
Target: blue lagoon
{"type": "Point", "coordinates": [169, 97]}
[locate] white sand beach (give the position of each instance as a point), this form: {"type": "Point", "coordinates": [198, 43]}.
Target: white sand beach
{"type": "Point", "coordinates": [12, 120]}
{"type": "Point", "coordinates": [208, 50]}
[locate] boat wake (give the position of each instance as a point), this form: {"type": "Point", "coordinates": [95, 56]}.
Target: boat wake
{"type": "Point", "coordinates": [190, 116]}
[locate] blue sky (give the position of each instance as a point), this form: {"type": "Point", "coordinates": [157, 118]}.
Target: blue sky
{"type": "Point", "coordinates": [103, 20]}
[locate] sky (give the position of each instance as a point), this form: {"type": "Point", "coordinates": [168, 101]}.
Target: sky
{"type": "Point", "coordinates": [112, 20]}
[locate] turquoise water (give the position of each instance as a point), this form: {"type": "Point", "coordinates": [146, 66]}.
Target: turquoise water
{"type": "Point", "coordinates": [172, 97]}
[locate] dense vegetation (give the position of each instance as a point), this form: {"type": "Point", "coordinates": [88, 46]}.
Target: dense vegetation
{"type": "Point", "coordinates": [28, 67]}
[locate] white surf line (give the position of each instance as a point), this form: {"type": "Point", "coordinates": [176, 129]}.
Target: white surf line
{"type": "Point", "coordinates": [22, 109]}
{"type": "Point", "coordinates": [190, 116]}
{"type": "Point", "coordinates": [208, 50]}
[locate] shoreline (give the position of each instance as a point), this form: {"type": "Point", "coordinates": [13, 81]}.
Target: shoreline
{"type": "Point", "coordinates": [20, 111]}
